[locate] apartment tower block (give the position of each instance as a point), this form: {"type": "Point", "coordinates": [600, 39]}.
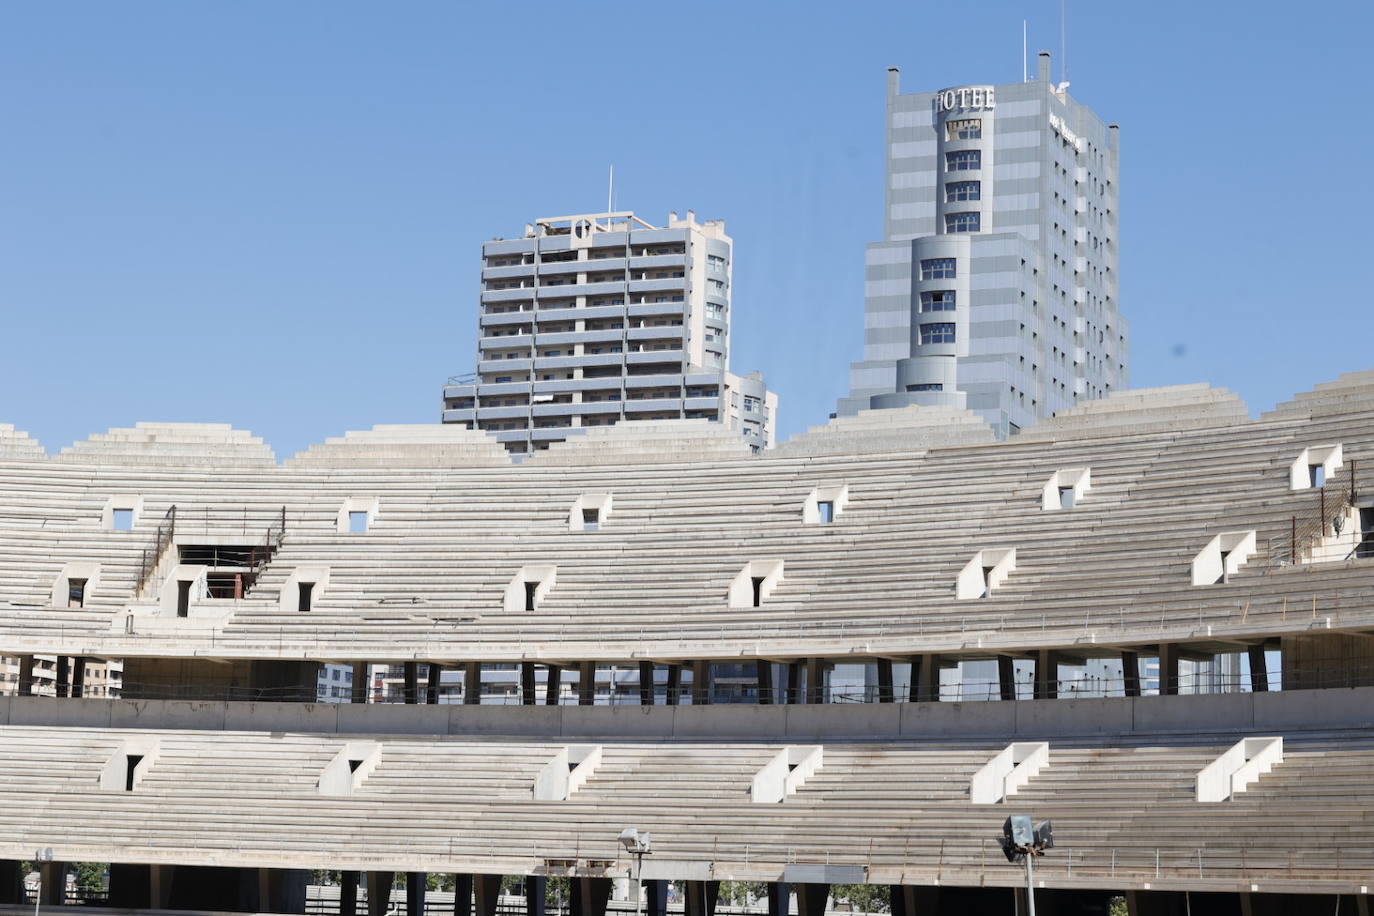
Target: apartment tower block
{"type": "Point", "coordinates": [592, 319]}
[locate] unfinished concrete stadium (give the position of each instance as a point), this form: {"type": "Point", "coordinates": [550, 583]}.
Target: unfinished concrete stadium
{"type": "Point", "coordinates": [845, 660]}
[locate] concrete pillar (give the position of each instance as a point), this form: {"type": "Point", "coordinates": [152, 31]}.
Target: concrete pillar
{"type": "Point", "coordinates": [433, 684]}
{"type": "Point", "coordinates": [1046, 674]}
{"type": "Point", "coordinates": [415, 893]}
{"type": "Point", "coordinates": [646, 683]}
{"type": "Point", "coordinates": [815, 680]}
{"type": "Point", "coordinates": [1006, 677]}
{"type": "Point", "coordinates": [701, 898]}
{"type": "Point", "coordinates": [811, 899]}
{"type": "Point", "coordinates": [914, 901]}
{"type": "Point", "coordinates": [589, 896]}
{"type": "Point", "coordinates": [379, 892]}
{"type": "Point", "coordinates": [79, 676]}
{"type": "Point", "coordinates": [282, 890]}
{"type": "Point", "coordinates": [1168, 669]}
{"type": "Point", "coordinates": [361, 686]}
{"type": "Point", "coordinates": [462, 895]}
{"type": "Point", "coordinates": [1130, 673]}
{"type": "Point", "coordinates": [472, 684]}
{"type": "Point", "coordinates": [925, 678]}
{"type": "Point", "coordinates": [1259, 669]}
{"type": "Point", "coordinates": [412, 684]}
{"type": "Point", "coordinates": [486, 894]}
{"type": "Point", "coordinates": [793, 693]}
{"type": "Point", "coordinates": [586, 683]}
{"type": "Point", "coordinates": [54, 878]}
{"type": "Point", "coordinates": [528, 694]}
{"type": "Point", "coordinates": [779, 898]}
{"type": "Point", "coordinates": [763, 676]}
{"type": "Point", "coordinates": [26, 675]}
{"type": "Point", "coordinates": [160, 885]}
{"type": "Point", "coordinates": [536, 894]}
{"type": "Point", "coordinates": [674, 682]}
{"type": "Point", "coordinates": [655, 898]}
{"type": "Point", "coordinates": [348, 893]}
{"type": "Point", "coordinates": [701, 683]}
{"type": "Point", "coordinates": [553, 684]}
{"type": "Point", "coordinates": [885, 694]}
{"type": "Point", "coordinates": [63, 678]}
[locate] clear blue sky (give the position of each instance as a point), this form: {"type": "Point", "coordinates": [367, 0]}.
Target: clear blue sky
{"type": "Point", "coordinates": [270, 213]}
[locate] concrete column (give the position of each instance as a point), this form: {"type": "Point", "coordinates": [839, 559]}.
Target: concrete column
{"type": "Point", "coordinates": [379, 892]}
{"type": "Point", "coordinates": [589, 896]}
{"type": "Point", "coordinates": [79, 676]}
{"type": "Point", "coordinates": [1130, 673]}
{"type": "Point", "coordinates": [472, 684]}
{"type": "Point", "coordinates": [763, 677]}
{"type": "Point", "coordinates": [536, 894]}
{"type": "Point", "coordinates": [779, 898]}
{"type": "Point", "coordinates": [1006, 677]}
{"type": "Point", "coordinates": [412, 685]}
{"type": "Point", "coordinates": [63, 677]}
{"type": "Point", "coordinates": [433, 684]}
{"type": "Point", "coordinates": [646, 683]}
{"type": "Point", "coordinates": [26, 675]}
{"type": "Point", "coordinates": [361, 687]}
{"type": "Point", "coordinates": [914, 901]}
{"type": "Point", "coordinates": [552, 685]}
{"type": "Point", "coordinates": [415, 893]}
{"type": "Point", "coordinates": [486, 894]}
{"type": "Point", "coordinates": [925, 678]}
{"type": "Point", "coordinates": [885, 680]}
{"type": "Point", "coordinates": [528, 694]}
{"type": "Point", "coordinates": [54, 878]}
{"type": "Point", "coordinates": [1259, 669]}
{"type": "Point", "coordinates": [655, 898]}
{"type": "Point", "coordinates": [811, 899]}
{"type": "Point", "coordinates": [793, 693]}
{"type": "Point", "coordinates": [1046, 674]}
{"type": "Point", "coordinates": [282, 890]}
{"type": "Point", "coordinates": [815, 680]}
{"type": "Point", "coordinates": [701, 683]}
{"type": "Point", "coordinates": [160, 885]}
{"type": "Point", "coordinates": [701, 898]}
{"type": "Point", "coordinates": [586, 683]}
{"type": "Point", "coordinates": [674, 682]}
{"type": "Point", "coordinates": [462, 895]}
{"type": "Point", "coordinates": [1168, 669]}
{"type": "Point", "coordinates": [348, 893]}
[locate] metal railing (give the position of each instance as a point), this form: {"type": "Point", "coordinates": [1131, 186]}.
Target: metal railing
{"type": "Point", "coordinates": [1324, 516]}
{"type": "Point", "coordinates": [162, 539]}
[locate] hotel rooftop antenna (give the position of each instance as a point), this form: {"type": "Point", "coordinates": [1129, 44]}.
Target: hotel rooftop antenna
{"type": "Point", "coordinates": [610, 191]}
{"type": "Point", "coordinates": [1025, 77]}
{"type": "Point", "coordinates": [1063, 44]}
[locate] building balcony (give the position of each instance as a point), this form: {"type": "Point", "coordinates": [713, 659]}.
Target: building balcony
{"type": "Point", "coordinates": [711, 403]}
{"type": "Point", "coordinates": [662, 332]}
{"type": "Point", "coordinates": [507, 295]}
{"type": "Point", "coordinates": [659, 309]}
{"type": "Point", "coordinates": [653, 405]}
{"type": "Point", "coordinates": [658, 261]}
{"type": "Point", "coordinates": [466, 415]}
{"type": "Point", "coordinates": [653, 381]}
{"type": "Point", "coordinates": [504, 341]}
{"type": "Point", "coordinates": [654, 356]}
{"type": "Point", "coordinates": [502, 319]}
{"type": "Point", "coordinates": [513, 271]}
{"type": "Point", "coordinates": [598, 408]}
{"type": "Point", "coordinates": [504, 365]}
{"type": "Point", "coordinates": [667, 284]}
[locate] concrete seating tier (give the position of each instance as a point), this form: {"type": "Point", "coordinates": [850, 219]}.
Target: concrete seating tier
{"type": "Point", "coordinates": [428, 577]}
{"type": "Point", "coordinates": [15, 443]}
{"type": "Point", "coordinates": [1122, 808]}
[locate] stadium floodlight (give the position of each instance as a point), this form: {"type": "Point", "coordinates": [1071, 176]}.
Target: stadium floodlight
{"type": "Point", "coordinates": [1022, 842]}
{"type": "Point", "coordinates": [639, 845]}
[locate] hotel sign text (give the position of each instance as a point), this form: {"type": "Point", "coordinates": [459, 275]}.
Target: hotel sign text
{"type": "Point", "coordinates": [967, 97]}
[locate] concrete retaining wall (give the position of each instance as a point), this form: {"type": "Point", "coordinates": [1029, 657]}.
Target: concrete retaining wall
{"type": "Point", "coordinates": [1287, 711]}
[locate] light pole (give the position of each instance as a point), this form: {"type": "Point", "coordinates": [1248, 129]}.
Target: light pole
{"type": "Point", "coordinates": [1022, 842]}
{"type": "Point", "coordinates": [40, 856]}
{"type": "Point", "coordinates": [640, 844]}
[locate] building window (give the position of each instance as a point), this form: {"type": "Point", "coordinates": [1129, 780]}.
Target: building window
{"type": "Point", "coordinates": [963, 190]}
{"type": "Point", "coordinates": [962, 222]}
{"type": "Point", "coordinates": [967, 129]}
{"type": "Point", "coordinates": [926, 386]}
{"type": "Point", "coordinates": [940, 300]}
{"type": "Point", "coordinates": [937, 269]}
{"type": "Point", "coordinates": [826, 512]}
{"type": "Point", "coordinates": [123, 519]}
{"type": "Point", "coordinates": [357, 522]}
{"type": "Point", "coordinates": [963, 160]}
{"type": "Point", "coordinates": [76, 593]}
{"type": "Point", "coordinates": [937, 333]}
{"type": "Point", "coordinates": [304, 596]}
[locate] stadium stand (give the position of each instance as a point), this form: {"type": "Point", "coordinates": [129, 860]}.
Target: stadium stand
{"type": "Point", "coordinates": [1142, 583]}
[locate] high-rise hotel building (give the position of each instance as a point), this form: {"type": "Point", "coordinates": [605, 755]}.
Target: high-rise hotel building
{"type": "Point", "coordinates": [593, 319]}
{"type": "Point", "coordinates": [995, 288]}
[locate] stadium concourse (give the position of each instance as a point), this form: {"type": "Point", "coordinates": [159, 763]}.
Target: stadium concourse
{"type": "Point", "coordinates": [843, 661]}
